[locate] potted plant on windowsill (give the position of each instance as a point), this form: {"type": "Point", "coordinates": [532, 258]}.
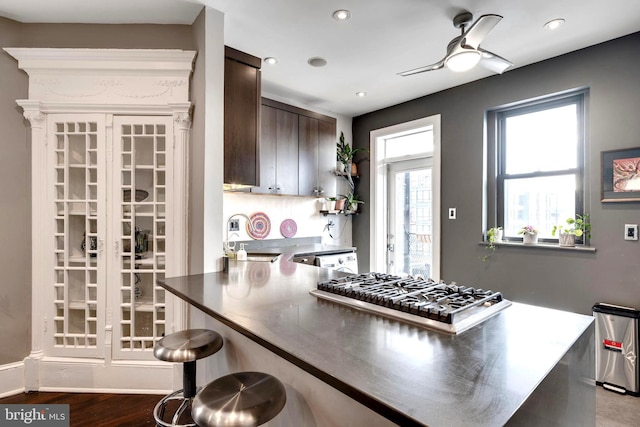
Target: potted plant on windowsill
{"type": "Point", "coordinates": [529, 234]}
{"type": "Point", "coordinates": [575, 227]}
{"type": "Point", "coordinates": [494, 234]}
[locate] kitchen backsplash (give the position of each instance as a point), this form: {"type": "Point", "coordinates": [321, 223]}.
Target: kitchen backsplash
{"type": "Point", "coordinates": [303, 210]}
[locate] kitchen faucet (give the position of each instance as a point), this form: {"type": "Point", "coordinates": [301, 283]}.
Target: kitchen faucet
{"type": "Point", "coordinates": [226, 245]}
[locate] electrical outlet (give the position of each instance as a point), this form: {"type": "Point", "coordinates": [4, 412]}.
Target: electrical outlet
{"type": "Point", "coordinates": [631, 232]}
{"type": "Point", "coordinates": [452, 213]}
{"type": "Point", "coordinates": [234, 225]}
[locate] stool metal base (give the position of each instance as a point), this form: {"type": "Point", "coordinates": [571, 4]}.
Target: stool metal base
{"type": "Point", "coordinates": [185, 407]}
{"type": "Point", "coordinates": [241, 399]}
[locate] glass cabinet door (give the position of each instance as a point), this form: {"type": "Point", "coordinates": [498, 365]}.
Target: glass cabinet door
{"type": "Point", "coordinates": [77, 143]}
{"type": "Point", "coordinates": [140, 157]}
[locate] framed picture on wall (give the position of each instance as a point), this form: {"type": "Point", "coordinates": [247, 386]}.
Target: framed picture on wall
{"type": "Point", "coordinates": [621, 175]}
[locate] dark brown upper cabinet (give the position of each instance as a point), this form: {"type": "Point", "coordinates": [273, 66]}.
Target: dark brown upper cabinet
{"type": "Point", "coordinates": [298, 152]}
{"type": "Point", "coordinates": [278, 152]}
{"type": "Point", "coordinates": [242, 94]}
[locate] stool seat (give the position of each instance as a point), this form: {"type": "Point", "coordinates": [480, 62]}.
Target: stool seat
{"type": "Point", "coordinates": [187, 345]}
{"type": "Point", "coordinates": [239, 399]}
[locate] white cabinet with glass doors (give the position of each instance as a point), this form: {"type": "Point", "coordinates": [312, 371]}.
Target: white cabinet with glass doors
{"type": "Point", "coordinates": [109, 191]}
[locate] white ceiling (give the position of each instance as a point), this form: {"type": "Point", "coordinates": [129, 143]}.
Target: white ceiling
{"type": "Point", "coordinates": [382, 38]}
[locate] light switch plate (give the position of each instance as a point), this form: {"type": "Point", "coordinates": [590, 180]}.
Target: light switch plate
{"type": "Point", "coordinates": [631, 232]}
{"type": "Point", "coordinates": [234, 225]}
{"type": "Point", "coordinates": [452, 213]}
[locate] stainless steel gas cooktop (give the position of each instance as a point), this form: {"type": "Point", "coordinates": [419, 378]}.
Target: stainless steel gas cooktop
{"type": "Point", "coordinates": [450, 308]}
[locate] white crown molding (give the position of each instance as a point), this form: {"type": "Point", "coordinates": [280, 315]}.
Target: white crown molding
{"type": "Point", "coordinates": [106, 76]}
{"type": "Point", "coordinates": [36, 107]}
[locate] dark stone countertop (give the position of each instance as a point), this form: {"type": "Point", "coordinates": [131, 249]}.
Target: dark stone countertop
{"type": "Point", "coordinates": [408, 374]}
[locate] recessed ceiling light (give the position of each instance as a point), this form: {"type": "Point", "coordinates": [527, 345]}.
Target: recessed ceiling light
{"type": "Point", "coordinates": [341, 15]}
{"type": "Point", "coordinates": [553, 24]}
{"type": "Point", "coordinates": [271, 60]}
{"type": "Point", "coordinates": [316, 61]}
{"type": "Point", "coordinates": [361, 94]}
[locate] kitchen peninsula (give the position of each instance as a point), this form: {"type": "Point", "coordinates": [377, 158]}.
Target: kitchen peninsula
{"type": "Point", "coordinates": [524, 366]}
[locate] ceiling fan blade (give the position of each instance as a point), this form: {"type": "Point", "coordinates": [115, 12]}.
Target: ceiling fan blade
{"type": "Point", "coordinates": [493, 62]}
{"type": "Point", "coordinates": [431, 67]}
{"type": "Point", "coordinates": [479, 30]}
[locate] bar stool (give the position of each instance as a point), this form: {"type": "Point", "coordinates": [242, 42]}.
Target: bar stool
{"type": "Point", "coordinates": [184, 347]}
{"type": "Point", "coordinates": [241, 399]}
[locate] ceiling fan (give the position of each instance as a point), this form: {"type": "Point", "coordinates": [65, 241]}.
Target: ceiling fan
{"type": "Point", "coordinates": [464, 51]}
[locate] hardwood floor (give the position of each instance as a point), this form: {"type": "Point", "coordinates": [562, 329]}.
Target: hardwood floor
{"type": "Point", "coordinates": [133, 410]}
{"type": "Point", "coordinates": [95, 409]}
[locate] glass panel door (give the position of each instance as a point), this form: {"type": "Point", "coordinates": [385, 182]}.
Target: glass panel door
{"type": "Point", "coordinates": [79, 233]}
{"type": "Point", "coordinates": [410, 248]}
{"type": "Point", "coordinates": [142, 148]}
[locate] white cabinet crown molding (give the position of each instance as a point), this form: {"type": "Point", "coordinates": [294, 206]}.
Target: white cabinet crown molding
{"type": "Point", "coordinates": [125, 77]}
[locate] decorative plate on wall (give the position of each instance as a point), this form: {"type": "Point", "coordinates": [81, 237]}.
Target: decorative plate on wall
{"type": "Point", "coordinates": [288, 228]}
{"type": "Point", "coordinates": [261, 226]}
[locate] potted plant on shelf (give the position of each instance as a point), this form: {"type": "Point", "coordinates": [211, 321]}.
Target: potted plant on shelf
{"type": "Point", "coordinates": [344, 156]}
{"type": "Point", "coordinates": [575, 227]}
{"type": "Point", "coordinates": [494, 234]}
{"type": "Point", "coordinates": [351, 203]}
{"type": "Point", "coordinates": [331, 204]}
{"type": "Point", "coordinates": [529, 234]}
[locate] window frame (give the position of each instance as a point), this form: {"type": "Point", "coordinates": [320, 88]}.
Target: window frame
{"type": "Point", "coordinates": [495, 162]}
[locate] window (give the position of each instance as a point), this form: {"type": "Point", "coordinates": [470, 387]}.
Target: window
{"type": "Point", "coordinates": [538, 167]}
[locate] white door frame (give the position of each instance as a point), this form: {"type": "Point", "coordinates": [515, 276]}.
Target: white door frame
{"type": "Point", "coordinates": [379, 192]}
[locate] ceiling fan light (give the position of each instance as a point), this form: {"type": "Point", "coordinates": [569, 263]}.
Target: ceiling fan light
{"type": "Point", "coordinates": [463, 61]}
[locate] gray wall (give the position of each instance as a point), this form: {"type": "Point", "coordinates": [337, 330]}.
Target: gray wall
{"type": "Point", "coordinates": [15, 206]}
{"type": "Point", "coordinates": [15, 170]}
{"type": "Point", "coordinates": [559, 279]}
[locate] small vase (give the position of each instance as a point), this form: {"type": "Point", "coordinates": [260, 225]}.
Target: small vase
{"type": "Point", "coordinates": [530, 238]}
{"type": "Point", "coordinates": [499, 235]}
{"type": "Point", "coordinates": [340, 204]}
{"type": "Point", "coordinates": [354, 169]}
{"type": "Point", "coordinates": [331, 205]}
{"type": "Point", "coordinates": [567, 239]}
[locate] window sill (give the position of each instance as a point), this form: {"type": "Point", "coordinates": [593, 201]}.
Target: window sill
{"type": "Point", "coordinates": [553, 246]}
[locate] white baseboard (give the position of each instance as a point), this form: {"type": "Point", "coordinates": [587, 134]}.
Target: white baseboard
{"type": "Point", "coordinates": [11, 379]}
{"type": "Point", "coordinates": [74, 375]}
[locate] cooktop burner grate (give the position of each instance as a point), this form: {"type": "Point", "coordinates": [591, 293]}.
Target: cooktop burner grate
{"type": "Point", "coordinates": [448, 307]}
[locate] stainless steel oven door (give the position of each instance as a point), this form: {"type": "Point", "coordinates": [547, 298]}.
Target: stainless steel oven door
{"type": "Point", "coordinates": [346, 261]}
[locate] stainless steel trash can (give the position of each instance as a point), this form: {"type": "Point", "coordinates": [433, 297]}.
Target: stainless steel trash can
{"type": "Point", "coordinates": [617, 348]}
